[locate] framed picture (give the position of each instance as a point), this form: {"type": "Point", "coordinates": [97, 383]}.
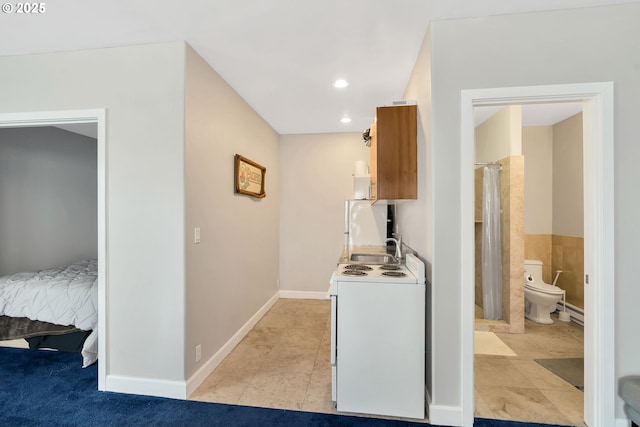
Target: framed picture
{"type": "Point", "coordinates": [249, 177]}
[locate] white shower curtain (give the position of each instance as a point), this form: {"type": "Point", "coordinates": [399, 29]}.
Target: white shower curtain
{"type": "Point", "coordinates": [491, 245]}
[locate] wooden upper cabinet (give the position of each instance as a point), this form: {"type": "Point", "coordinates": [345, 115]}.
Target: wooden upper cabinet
{"type": "Point", "coordinates": [394, 153]}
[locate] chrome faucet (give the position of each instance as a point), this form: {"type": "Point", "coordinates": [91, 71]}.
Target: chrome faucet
{"type": "Point", "coordinates": [398, 243]}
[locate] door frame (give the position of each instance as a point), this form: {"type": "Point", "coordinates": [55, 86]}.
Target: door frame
{"type": "Point", "coordinates": [67, 117]}
{"type": "Point", "coordinates": [598, 176]}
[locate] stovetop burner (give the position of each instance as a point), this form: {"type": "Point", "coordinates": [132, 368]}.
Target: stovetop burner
{"type": "Point", "coordinates": [353, 273]}
{"type": "Point", "coordinates": [358, 267]}
{"type": "Point", "coordinates": [390, 267]}
{"type": "Point", "coordinates": [394, 274]}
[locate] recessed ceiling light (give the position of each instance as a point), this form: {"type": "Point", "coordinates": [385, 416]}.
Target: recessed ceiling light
{"type": "Point", "coordinates": [340, 83]}
{"type": "Point", "coordinates": [346, 119]}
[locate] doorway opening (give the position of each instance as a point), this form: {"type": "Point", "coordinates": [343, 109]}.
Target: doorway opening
{"type": "Point", "coordinates": [524, 348]}
{"type": "Point", "coordinates": [80, 119]}
{"type": "Point", "coordinates": [597, 102]}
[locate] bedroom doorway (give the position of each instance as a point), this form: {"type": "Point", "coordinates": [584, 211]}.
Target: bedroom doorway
{"type": "Point", "coordinates": [80, 121]}
{"type": "Point", "coordinates": [597, 100]}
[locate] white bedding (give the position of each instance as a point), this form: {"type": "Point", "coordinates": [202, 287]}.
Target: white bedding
{"type": "Point", "coordinates": [65, 296]}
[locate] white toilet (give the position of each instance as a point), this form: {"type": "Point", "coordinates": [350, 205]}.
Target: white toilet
{"type": "Point", "coordinates": [540, 298]}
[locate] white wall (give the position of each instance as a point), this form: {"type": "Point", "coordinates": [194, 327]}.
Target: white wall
{"type": "Point", "coordinates": [513, 50]}
{"type": "Point", "coordinates": [142, 90]}
{"type": "Point", "coordinates": [234, 270]}
{"type": "Point", "coordinates": [316, 179]}
{"type": "Point", "coordinates": [48, 198]}
{"type": "Point", "coordinates": [537, 148]}
{"type": "Point", "coordinates": [568, 188]}
{"type": "Point", "coordinates": [416, 216]}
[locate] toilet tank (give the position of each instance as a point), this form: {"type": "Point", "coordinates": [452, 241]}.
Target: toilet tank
{"type": "Point", "coordinates": [533, 267]}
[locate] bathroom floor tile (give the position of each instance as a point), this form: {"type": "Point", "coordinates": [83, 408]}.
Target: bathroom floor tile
{"type": "Point", "coordinates": [498, 372]}
{"type": "Point", "coordinates": [522, 404]}
{"type": "Point", "coordinates": [541, 378]}
{"type": "Point", "coordinates": [560, 340]}
{"type": "Point", "coordinates": [569, 402]}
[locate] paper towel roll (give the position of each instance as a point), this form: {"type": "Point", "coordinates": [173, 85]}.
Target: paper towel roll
{"type": "Point", "coordinates": [361, 168]}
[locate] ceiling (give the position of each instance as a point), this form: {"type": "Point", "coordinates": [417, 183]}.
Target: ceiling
{"type": "Point", "coordinates": [281, 56]}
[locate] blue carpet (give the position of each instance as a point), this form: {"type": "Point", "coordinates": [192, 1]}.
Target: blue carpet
{"type": "Point", "coordinates": [47, 388]}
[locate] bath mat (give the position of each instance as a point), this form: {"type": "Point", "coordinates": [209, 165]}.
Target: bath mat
{"type": "Point", "coordinates": [570, 370]}
{"type": "Point", "coordinates": [489, 343]}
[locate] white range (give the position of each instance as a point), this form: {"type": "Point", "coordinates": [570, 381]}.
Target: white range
{"type": "Point", "coordinates": [378, 339]}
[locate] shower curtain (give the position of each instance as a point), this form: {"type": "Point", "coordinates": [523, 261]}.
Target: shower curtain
{"type": "Point", "coordinates": [491, 245]}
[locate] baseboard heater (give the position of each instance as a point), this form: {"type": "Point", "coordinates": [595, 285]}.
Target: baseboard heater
{"type": "Point", "coordinates": [576, 313]}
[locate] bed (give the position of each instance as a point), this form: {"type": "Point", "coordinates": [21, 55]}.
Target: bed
{"type": "Point", "coordinates": [48, 304]}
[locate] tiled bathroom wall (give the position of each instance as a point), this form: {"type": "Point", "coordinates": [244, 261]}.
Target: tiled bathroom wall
{"type": "Point", "coordinates": [538, 246]}
{"type": "Point", "coordinates": [568, 256]}
{"type": "Point", "coordinates": [564, 253]}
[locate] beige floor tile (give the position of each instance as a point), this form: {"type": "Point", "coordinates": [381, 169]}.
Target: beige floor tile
{"type": "Point", "coordinates": [570, 403]}
{"type": "Point", "coordinates": [226, 384]}
{"type": "Point", "coordinates": [482, 409]}
{"type": "Point", "coordinates": [323, 359]}
{"type": "Point", "coordinates": [263, 337]}
{"type": "Point", "coordinates": [19, 343]}
{"type": "Point", "coordinates": [300, 337]}
{"type": "Point", "coordinates": [524, 346]}
{"type": "Point", "coordinates": [521, 404]}
{"type": "Point", "coordinates": [283, 390]}
{"type": "Point", "coordinates": [541, 378]}
{"type": "Point", "coordinates": [489, 343]}
{"type": "Point", "coordinates": [562, 339]}
{"type": "Point", "coordinates": [311, 321]}
{"type": "Point", "coordinates": [243, 357]}
{"type": "Point", "coordinates": [289, 360]}
{"type": "Point", "coordinates": [326, 339]}
{"type": "Point", "coordinates": [318, 398]}
{"type": "Point", "coordinates": [313, 307]}
{"type": "Point", "coordinates": [498, 372]}
{"type": "Point", "coordinates": [275, 320]}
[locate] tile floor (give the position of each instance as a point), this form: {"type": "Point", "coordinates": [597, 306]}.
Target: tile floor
{"type": "Point", "coordinates": [283, 362]}
{"type": "Point", "coordinates": [518, 388]}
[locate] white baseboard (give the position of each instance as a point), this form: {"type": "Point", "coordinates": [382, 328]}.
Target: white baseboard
{"type": "Point", "coordinates": [303, 295]}
{"type": "Point", "coordinates": [207, 368]}
{"type": "Point", "coordinates": [441, 415]}
{"type": "Point", "coordinates": [146, 386]}
{"type": "Point", "coordinates": [622, 422]}
{"type": "Point", "coordinates": [182, 389]}
{"type": "Point", "coordinates": [576, 313]}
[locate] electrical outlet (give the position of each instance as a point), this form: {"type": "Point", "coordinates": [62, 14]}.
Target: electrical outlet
{"type": "Point", "coordinates": [198, 352]}
{"type": "Point", "coordinates": [196, 235]}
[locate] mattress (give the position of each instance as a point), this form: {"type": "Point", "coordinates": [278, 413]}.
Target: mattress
{"type": "Point", "coordinates": [66, 295]}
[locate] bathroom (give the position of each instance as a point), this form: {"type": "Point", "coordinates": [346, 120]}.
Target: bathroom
{"type": "Point", "coordinates": [541, 198]}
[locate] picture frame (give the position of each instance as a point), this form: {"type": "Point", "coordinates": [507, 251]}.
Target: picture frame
{"type": "Point", "coordinates": [249, 177]}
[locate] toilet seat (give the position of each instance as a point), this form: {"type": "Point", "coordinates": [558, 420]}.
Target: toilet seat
{"type": "Point", "coordinates": [544, 288]}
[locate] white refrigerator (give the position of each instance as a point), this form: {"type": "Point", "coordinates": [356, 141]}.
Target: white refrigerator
{"type": "Point", "coordinates": [365, 224]}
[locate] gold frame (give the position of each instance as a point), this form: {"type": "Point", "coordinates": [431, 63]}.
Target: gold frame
{"type": "Point", "coordinates": [248, 177]}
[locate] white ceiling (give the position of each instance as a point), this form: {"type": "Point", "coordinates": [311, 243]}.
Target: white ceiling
{"type": "Point", "coordinates": [279, 55]}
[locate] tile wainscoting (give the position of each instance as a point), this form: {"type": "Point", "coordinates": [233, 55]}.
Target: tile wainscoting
{"type": "Point", "coordinates": [564, 253]}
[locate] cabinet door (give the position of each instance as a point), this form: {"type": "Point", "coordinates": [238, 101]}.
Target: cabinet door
{"type": "Point", "coordinates": [396, 153]}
